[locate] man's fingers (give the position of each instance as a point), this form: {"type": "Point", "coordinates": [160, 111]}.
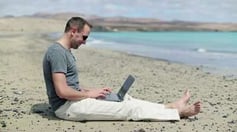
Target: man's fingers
{"type": "Point", "coordinates": [107, 89]}
{"type": "Point", "coordinates": [105, 92]}
{"type": "Point", "coordinates": [102, 96]}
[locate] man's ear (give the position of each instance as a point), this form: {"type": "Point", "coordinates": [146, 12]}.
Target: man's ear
{"type": "Point", "coordinates": [73, 32]}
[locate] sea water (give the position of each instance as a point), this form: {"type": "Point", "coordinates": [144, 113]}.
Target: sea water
{"type": "Point", "coordinates": [216, 51]}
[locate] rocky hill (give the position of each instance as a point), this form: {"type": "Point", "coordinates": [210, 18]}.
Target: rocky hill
{"type": "Point", "coordinates": [141, 24]}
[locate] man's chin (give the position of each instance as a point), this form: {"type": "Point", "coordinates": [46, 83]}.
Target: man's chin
{"type": "Point", "coordinates": [76, 46]}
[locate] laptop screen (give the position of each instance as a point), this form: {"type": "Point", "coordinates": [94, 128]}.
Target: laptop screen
{"type": "Point", "coordinates": [126, 85]}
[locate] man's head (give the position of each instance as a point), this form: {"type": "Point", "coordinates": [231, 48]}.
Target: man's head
{"type": "Point", "coordinates": [78, 30]}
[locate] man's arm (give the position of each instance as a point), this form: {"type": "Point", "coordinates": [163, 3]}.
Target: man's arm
{"type": "Point", "coordinates": [64, 91]}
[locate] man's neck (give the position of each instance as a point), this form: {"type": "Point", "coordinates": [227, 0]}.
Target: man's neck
{"type": "Point", "coordinates": [64, 41]}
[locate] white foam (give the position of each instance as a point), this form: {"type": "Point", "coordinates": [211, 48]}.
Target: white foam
{"type": "Point", "coordinates": [201, 50]}
{"type": "Point", "coordinates": [96, 41]}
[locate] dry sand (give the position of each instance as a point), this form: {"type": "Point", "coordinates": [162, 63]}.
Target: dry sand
{"type": "Point", "coordinates": [24, 105]}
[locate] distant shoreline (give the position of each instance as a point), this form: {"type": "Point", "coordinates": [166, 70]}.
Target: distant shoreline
{"type": "Point", "coordinates": [114, 24]}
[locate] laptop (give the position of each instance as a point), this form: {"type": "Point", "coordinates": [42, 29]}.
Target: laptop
{"type": "Point", "coordinates": [118, 97]}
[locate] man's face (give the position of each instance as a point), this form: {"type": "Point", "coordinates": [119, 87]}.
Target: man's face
{"type": "Point", "coordinates": [79, 38]}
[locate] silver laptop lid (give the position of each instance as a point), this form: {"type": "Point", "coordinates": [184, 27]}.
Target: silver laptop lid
{"type": "Point", "coordinates": [126, 85]}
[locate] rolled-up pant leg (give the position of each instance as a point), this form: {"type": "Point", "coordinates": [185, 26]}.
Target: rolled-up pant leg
{"type": "Point", "coordinates": [129, 109]}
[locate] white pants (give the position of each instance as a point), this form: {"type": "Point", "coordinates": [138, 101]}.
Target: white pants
{"type": "Point", "coordinates": [129, 109]}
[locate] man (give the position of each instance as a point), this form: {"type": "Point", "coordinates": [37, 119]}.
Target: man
{"type": "Point", "coordinates": [71, 102]}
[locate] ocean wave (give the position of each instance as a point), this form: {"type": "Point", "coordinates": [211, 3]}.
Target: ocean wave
{"type": "Point", "coordinates": [97, 42]}
{"type": "Point", "coordinates": [216, 51]}
{"type": "Point", "coordinates": [201, 50]}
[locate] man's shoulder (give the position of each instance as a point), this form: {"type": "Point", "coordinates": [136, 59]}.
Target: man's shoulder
{"type": "Point", "coordinates": [55, 51]}
{"type": "Point", "coordinates": [55, 47]}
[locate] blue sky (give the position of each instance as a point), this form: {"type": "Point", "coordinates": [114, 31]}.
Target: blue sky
{"type": "Point", "coordinates": [186, 10]}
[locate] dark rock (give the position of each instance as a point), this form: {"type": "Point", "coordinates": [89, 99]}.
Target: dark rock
{"type": "Point", "coordinates": [232, 122]}
{"type": "Point", "coordinates": [3, 123]}
{"type": "Point", "coordinates": [13, 103]}
{"type": "Point", "coordinates": [16, 99]}
{"type": "Point", "coordinates": [192, 119]}
{"type": "Point", "coordinates": [224, 116]}
{"type": "Point", "coordinates": [212, 104]}
{"type": "Point", "coordinates": [21, 102]}
{"type": "Point", "coordinates": [140, 130]}
{"type": "Point", "coordinates": [23, 112]}
{"type": "Point", "coordinates": [15, 110]}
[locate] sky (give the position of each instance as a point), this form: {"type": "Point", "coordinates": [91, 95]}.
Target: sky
{"type": "Point", "coordinates": [166, 10]}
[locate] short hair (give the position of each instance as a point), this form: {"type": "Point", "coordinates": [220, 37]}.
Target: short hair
{"type": "Point", "coordinates": [77, 23]}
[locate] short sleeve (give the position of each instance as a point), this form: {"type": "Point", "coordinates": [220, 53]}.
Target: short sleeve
{"type": "Point", "coordinates": [58, 61]}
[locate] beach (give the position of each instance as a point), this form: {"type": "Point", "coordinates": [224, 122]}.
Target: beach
{"type": "Point", "coordinates": [24, 103]}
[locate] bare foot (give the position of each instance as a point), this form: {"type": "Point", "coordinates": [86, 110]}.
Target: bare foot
{"type": "Point", "coordinates": [190, 110]}
{"type": "Point", "coordinates": [181, 103]}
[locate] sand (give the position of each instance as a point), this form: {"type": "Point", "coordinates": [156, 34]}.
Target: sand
{"type": "Point", "coordinates": [24, 104]}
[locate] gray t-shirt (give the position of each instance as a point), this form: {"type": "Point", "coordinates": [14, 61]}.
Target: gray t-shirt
{"type": "Point", "coordinates": [57, 59]}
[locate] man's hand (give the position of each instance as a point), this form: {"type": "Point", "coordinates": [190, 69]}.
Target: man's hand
{"type": "Point", "coordinates": [98, 93]}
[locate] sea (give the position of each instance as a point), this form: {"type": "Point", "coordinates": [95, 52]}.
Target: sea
{"type": "Point", "coordinates": [215, 52]}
